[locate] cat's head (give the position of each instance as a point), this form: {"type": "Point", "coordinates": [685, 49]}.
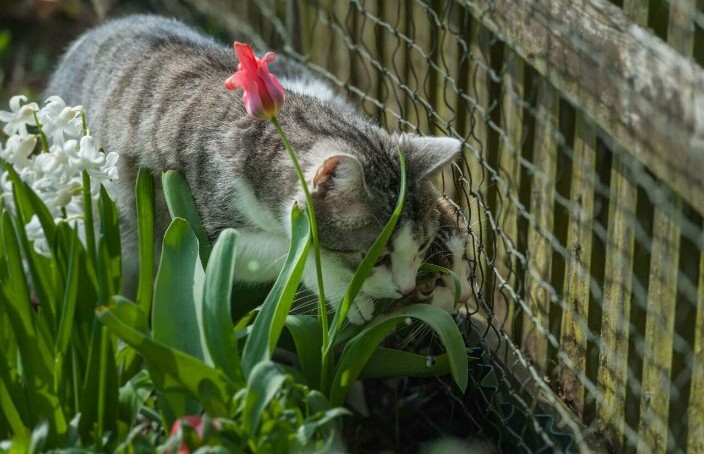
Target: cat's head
{"type": "Point", "coordinates": [355, 185]}
{"type": "Point", "coordinates": [449, 250]}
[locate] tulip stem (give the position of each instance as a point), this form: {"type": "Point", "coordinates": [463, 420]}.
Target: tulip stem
{"type": "Point", "coordinates": [322, 307]}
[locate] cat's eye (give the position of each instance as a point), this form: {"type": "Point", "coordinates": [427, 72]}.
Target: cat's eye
{"type": "Point", "coordinates": [384, 260]}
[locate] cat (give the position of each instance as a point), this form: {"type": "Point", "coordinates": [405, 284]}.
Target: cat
{"type": "Point", "coordinates": [449, 250]}
{"type": "Point", "coordinates": [152, 89]}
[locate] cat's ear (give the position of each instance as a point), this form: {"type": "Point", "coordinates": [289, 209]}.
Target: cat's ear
{"type": "Point", "coordinates": [427, 156]}
{"type": "Point", "coordinates": [342, 172]}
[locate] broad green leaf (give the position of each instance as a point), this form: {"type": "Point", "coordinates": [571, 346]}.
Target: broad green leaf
{"type": "Point", "coordinates": [358, 350]}
{"type": "Point", "coordinates": [263, 383]}
{"type": "Point", "coordinates": [177, 309]}
{"type": "Point", "coordinates": [145, 232]}
{"type": "Point", "coordinates": [272, 316]}
{"type": "Point", "coordinates": [306, 333]}
{"type": "Point", "coordinates": [365, 267]}
{"type": "Point", "coordinates": [171, 370]}
{"type": "Point", "coordinates": [217, 319]}
{"type": "Point", "coordinates": [386, 362]}
{"type": "Point", "coordinates": [178, 293]}
{"type": "Point", "coordinates": [181, 205]}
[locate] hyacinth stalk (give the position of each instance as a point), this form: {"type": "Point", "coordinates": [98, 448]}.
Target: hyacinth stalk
{"type": "Point", "coordinates": [263, 98]}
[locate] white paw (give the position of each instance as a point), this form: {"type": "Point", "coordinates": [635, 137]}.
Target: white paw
{"type": "Point", "coordinates": [361, 311]}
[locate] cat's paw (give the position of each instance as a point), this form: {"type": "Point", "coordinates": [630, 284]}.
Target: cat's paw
{"type": "Point", "coordinates": [361, 311]}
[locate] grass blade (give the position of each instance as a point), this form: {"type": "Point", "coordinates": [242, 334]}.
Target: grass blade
{"type": "Point", "coordinates": [145, 232]}
{"type": "Point", "coordinates": [110, 236]}
{"type": "Point", "coordinates": [99, 404]}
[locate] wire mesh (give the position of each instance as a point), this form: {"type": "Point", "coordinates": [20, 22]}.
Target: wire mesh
{"type": "Point", "coordinates": [582, 179]}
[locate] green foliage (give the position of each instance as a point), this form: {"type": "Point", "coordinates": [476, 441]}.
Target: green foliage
{"type": "Point", "coordinates": [58, 374]}
{"type": "Point", "coordinates": [65, 381]}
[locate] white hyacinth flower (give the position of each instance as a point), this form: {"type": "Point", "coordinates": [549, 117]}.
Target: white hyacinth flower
{"type": "Point", "coordinates": [19, 116]}
{"type": "Point", "coordinates": [55, 175]}
{"type": "Point", "coordinates": [60, 122]}
{"type": "Point", "coordinates": [17, 151]}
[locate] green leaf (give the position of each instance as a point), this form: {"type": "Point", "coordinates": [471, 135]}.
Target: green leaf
{"type": "Point", "coordinates": [306, 333]}
{"type": "Point", "coordinates": [99, 403]}
{"type": "Point", "coordinates": [43, 274]}
{"type": "Point", "coordinates": [110, 236]}
{"type": "Point", "coordinates": [145, 232]}
{"type": "Point", "coordinates": [365, 267]}
{"type": "Point", "coordinates": [15, 285]}
{"type": "Point", "coordinates": [134, 394]}
{"type": "Point", "coordinates": [264, 382]}
{"type": "Point", "coordinates": [29, 204]}
{"type": "Point", "coordinates": [178, 298]}
{"type": "Point", "coordinates": [34, 351]}
{"type": "Point", "coordinates": [40, 434]}
{"type": "Point", "coordinates": [386, 362]}
{"type": "Point", "coordinates": [67, 310]}
{"type": "Point", "coordinates": [13, 403]}
{"type": "Point", "coordinates": [321, 422]}
{"type": "Point", "coordinates": [217, 319]}
{"type": "Point", "coordinates": [171, 370]}
{"type": "Point", "coordinates": [360, 348]}
{"type": "Point", "coordinates": [181, 205]}
{"type": "Point", "coordinates": [178, 293]}
{"type": "Point", "coordinates": [272, 316]}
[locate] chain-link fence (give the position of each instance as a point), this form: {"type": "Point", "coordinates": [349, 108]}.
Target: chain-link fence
{"type": "Point", "coordinates": [582, 178]}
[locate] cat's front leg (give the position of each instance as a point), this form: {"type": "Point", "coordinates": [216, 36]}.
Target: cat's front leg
{"type": "Point", "coordinates": [362, 310]}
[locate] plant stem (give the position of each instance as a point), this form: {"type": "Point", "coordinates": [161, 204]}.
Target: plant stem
{"type": "Point", "coordinates": [42, 136]}
{"type": "Point", "coordinates": [88, 219]}
{"type": "Point", "coordinates": [322, 305]}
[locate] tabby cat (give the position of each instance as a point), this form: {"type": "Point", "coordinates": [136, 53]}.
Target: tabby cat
{"type": "Point", "coordinates": [152, 89]}
{"type": "Point", "coordinates": [449, 250]}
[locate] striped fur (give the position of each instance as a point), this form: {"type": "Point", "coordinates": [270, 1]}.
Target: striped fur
{"type": "Point", "coordinates": [153, 92]}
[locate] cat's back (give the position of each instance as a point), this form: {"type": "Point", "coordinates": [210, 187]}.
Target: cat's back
{"type": "Point", "coordinates": [122, 67]}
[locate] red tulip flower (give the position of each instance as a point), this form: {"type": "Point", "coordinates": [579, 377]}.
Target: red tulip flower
{"type": "Point", "coordinates": [263, 93]}
{"type": "Point", "coordinates": [194, 421]}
